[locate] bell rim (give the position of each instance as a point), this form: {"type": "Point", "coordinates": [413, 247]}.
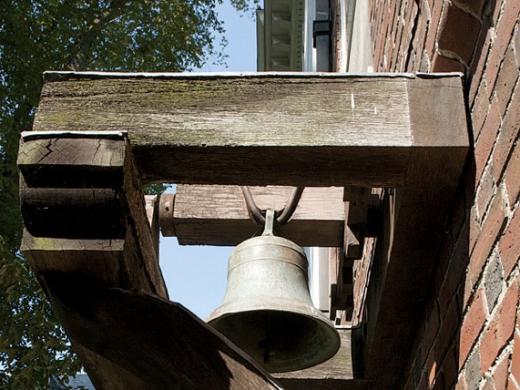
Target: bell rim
{"type": "Point", "coordinates": [326, 327]}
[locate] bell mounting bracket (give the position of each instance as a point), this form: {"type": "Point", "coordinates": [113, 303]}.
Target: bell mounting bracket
{"type": "Point", "coordinates": [99, 137]}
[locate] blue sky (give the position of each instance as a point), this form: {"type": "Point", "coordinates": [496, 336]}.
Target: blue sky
{"type": "Point", "coordinates": [196, 275]}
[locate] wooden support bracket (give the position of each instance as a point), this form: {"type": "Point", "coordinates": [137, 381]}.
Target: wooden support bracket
{"type": "Point", "coordinates": [362, 219]}
{"type": "Point", "coordinates": [322, 130]}
{"type": "Point", "coordinates": [91, 239]}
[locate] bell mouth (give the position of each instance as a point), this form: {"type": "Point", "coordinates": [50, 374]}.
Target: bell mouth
{"type": "Point", "coordinates": [280, 341]}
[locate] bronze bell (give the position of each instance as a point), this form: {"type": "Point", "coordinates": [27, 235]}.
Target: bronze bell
{"type": "Point", "coordinates": [267, 309]}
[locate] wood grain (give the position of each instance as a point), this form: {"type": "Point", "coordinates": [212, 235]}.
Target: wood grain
{"type": "Point", "coordinates": [162, 344]}
{"type": "Point", "coordinates": [339, 366]}
{"type": "Point", "coordinates": [77, 187]}
{"type": "Point", "coordinates": [255, 130]}
{"type": "Point", "coordinates": [218, 215]}
{"type": "Point", "coordinates": [416, 217]}
{"type": "Point", "coordinates": [71, 161]}
{"type": "Point", "coordinates": [406, 132]}
{"type": "Point", "coordinates": [335, 373]}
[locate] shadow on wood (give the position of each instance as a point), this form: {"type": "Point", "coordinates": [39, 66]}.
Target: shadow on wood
{"type": "Point", "coordinates": [161, 343]}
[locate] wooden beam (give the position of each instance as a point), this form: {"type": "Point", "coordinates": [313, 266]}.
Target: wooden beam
{"type": "Point", "coordinates": [335, 373]}
{"type": "Point", "coordinates": [81, 196]}
{"type": "Point", "coordinates": [159, 343]}
{"type": "Point", "coordinates": [218, 215]}
{"type": "Point", "coordinates": [343, 299]}
{"type": "Point", "coordinates": [401, 131]}
{"type": "Point", "coordinates": [408, 248]}
{"type": "Point", "coordinates": [125, 339]}
{"type": "Point", "coordinates": [257, 129]}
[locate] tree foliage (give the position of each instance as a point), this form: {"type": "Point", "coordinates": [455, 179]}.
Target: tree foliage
{"type": "Point", "coordinates": [39, 35]}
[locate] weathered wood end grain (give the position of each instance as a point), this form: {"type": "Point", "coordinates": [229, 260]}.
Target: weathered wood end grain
{"type": "Point", "coordinates": [77, 187]}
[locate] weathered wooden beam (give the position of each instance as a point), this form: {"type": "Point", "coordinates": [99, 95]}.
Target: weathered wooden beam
{"type": "Point", "coordinates": [362, 219]}
{"type": "Point", "coordinates": [257, 129]}
{"type": "Point", "coordinates": [408, 248]}
{"type": "Point", "coordinates": [86, 235]}
{"type": "Point", "coordinates": [84, 211]}
{"type": "Point", "coordinates": [335, 373]}
{"type": "Point", "coordinates": [160, 344]}
{"type": "Point", "coordinates": [402, 131]}
{"type": "Point", "coordinates": [341, 280]}
{"type": "Point", "coordinates": [356, 208]}
{"type": "Point", "coordinates": [218, 215]}
{"type": "Point", "coordinates": [85, 218]}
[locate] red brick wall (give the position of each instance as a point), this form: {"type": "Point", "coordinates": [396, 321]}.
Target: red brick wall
{"type": "Point", "coordinates": [467, 337]}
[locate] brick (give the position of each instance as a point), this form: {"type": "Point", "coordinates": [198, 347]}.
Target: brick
{"type": "Point", "coordinates": [474, 229]}
{"type": "Point", "coordinates": [500, 329]}
{"type": "Point", "coordinates": [479, 111]}
{"type": "Point", "coordinates": [504, 32]}
{"type": "Point", "coordinates": [493, 278]}
{"type": "Point", "coordinates": [507, 135]}
{"type": "Point", "coordinates": [423, 382]}
{"type": "Point", "coordinates": [432, 374]}
{"type": "Point", "coordinates": [487, 137]}
{"type": "Point", "coordinates": [492, 66]}
{"type": "Point", "coordinates": [431, 36]}
{"type": "Point", "coordinates": [499, 375]}
{"type": "Point", "coordinates": [461, 383]}
{"type": "Point", "coordinates": [420, 37]}
{"type": "Point", "coordinates": [485, 191]}
{"type": "Point", "coordinates": [491, 228]}
{"type": "Point", "coordinates": [473, 375]}
{"type": "Point", "coordinates": [516, 45]}
{"type": "Point", "coordinates": [512, 176]}
{"type": "Point", "coordinates": [479, 62]}
{"type": "Point", "coordinates": [444, 64]}
{"type": "Point", "coordinates": [509, 245]}
{"type": "Point", "coordinates": [507, 76]}
{"type": "Point", "coordinates": [407, 38]}
{"type": "Point", "coordinates": [489, 385]}
{"type": "Point", "coordinates": [452, 265]}
{"type": "Point", "coordinates": [396, 53]}
{"type": "Point", "coordinates": [425, 66]}
{"type": "Point", "coordinates": [415, 374]}
{"type": "Point", "coordinates": [471, 325]}
{"type": "Point", "coordinates": [506, 24]}
{"type": "Point", "coordinates": [515, 362]}
{"type": "Point", "coordinates": [456, 24]}
{"type": "Point", "coordinates": [494, 13]}
{"type": "Point", "coordinates": [512, 385]}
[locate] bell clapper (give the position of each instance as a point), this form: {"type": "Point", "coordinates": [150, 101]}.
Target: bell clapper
{"type": "Point", "coordinates": [265, 343]}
